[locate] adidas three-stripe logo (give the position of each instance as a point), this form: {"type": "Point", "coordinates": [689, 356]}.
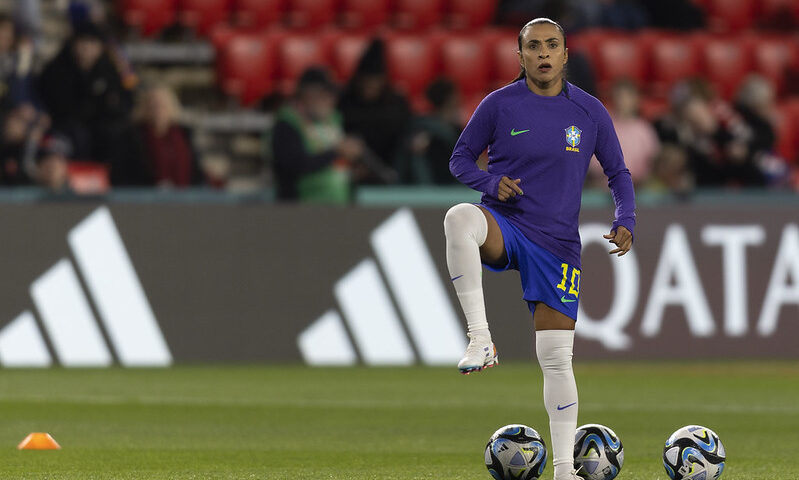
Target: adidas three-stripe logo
{"type": "Point", "coordinates": [366, 307]}
{"type": "Point", "coordinates": [66, 313]}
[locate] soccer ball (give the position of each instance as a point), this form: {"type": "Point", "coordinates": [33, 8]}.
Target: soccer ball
{"type": "Point", "coordinates": [694, 453]}
{"type": "Point", "coordinates": [516, 452]}
{"type": "Point", "coordinates": [598, 450]}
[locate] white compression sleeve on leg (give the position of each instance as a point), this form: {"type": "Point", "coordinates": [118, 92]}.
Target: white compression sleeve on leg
{"type": "Point", "coordinates": [554, 350]}
{"type": "Point", "coordinates": [466, 229]}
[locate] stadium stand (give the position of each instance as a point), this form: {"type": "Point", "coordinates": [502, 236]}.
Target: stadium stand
{"type": "Point", "coordinates": [412, 62]}
{"type": "Point", "coordinates": [726, 62]}
{"type": "Point", "coordinates": [364, 14]}
{"type": "Point", "coordinates": [465, 60]}
{"type": "Point", "coordinates": [346, 51]}
{"type": "Point", "coordinates": [774, 56]}
{"type": "Point", "coordinates": [296, 53]}
{"type": "Point", "coordinates": [149, 17]}
{"type": "Point", "coordinates": [246, 65]}
{"type": "Point", "coordinates": [731, 15]}
{"type": "Point", "coordinates": [257, 14]}
{"type": "Point", "coordinates": [418, 15]}
{"type": "Point", "coordinates": [505, 61]}
{"type": "Point", "coordinates": [619, 58]}
{"type": "Point", "coordinates": [203, 15]}
{"type": "Point", "coordinates": [470, 14]}
{"type": "Point", "coordinates": [674, 58]}
{"type": "Point", "coordinates": [234, 58]}
{"type": "Point", "coordinates": [311, 14]}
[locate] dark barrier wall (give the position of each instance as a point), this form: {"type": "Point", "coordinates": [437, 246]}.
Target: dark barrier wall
{"type": "Point", "coordinates": [265, 283]}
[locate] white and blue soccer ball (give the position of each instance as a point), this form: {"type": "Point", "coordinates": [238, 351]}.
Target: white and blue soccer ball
{"type": "Point", "coordinates": [598, 452]}
{"type": "Point", "coordinates": [694, 453]}
{"type": "Point", "coordinates": [516, 452]}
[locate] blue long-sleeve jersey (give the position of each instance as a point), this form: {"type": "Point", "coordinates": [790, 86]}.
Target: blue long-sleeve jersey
{"type": "Point", "coordinates": [547, 142]}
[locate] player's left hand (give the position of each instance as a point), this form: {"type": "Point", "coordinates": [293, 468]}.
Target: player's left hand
{"type": "Point", "coordinates": [622, 238]}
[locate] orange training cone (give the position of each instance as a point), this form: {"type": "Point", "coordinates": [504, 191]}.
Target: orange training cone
{"type": "Point", "coordinates": [39, 441]}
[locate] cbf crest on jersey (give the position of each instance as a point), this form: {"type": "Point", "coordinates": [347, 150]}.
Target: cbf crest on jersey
{"type": "Point", "coordinates": [573, 138]}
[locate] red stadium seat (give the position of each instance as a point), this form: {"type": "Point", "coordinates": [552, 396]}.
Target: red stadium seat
{"type": "Point", "coordinates": [464, 14]}
{"type": "Point", "coordinates": [259, 13]}
{"type": "Point", "coordinates": [773, 56]}
{"type": "Point", "coordinates": [246, 65]}
{"type": "Point", "coordinates": [204, 15]}
{"type": "Point", "coordinates": [88, 178]}
{"type": "Point", "coordinates": [673, 59]}
{"type": "Point", "coordinates": [148, 16]}
{"type": "Point", "coordinates": [308, 14]}
{"type": "Point", "coordinates": [787, 130]}
{"type": "Point", "coordinates": [412, 62]}
{"type": "Point", "coordinates": [731, 15]}
{"type": "Point", "coordinates": [619, 57]}
{"type": "Point", "coordinates": [466, 61]}
{"type": "Point", "coordinates": [418, 14]}
{"type": "Point", "coordinates": [364, 14]}
{"type": "Point", "coordinates": [727, 61]}
{"type": "Point", "coordinates": [296, 53]}
{"type": "Point", "coordinates": [346, 53]}
{"type": "Point", "coordinates": [503, 47]}
{"type": "Point", "coordinates": [587, 42]}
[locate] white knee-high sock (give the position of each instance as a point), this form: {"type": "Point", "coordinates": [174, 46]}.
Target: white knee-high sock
{"type": "Point", "coordinates": [466, 229]}
{"type": "Point", "coordinates": [554, 350]}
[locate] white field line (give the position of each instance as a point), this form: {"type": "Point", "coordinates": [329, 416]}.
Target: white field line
{"type": "Point", "coordinates": [100, 399]}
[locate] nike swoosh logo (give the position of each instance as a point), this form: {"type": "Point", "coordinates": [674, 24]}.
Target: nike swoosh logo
{"type": "Point", "coordinates": [567, 300]}
{"type": "Point", "coordinates": [513, 132]}
{"type": "Point", "coordinates": [567, 406]}
{"type": "Point", "coordinates": [455, 278]}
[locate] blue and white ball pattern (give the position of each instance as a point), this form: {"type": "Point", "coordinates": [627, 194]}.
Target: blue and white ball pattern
{"type": "Point", "coordinates": [694, 453]}
{"type": "Point", "coordinates": [598, 452]}
{"type": "Point", "coordinates": [516, 452]}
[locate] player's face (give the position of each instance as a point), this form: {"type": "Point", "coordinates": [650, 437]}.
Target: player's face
{"type": "Point", "coordinates": [543, 55]}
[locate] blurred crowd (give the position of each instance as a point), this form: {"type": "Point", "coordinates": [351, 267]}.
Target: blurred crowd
{"type": "Point", "coordinates": [84, 112]}
{"type": "Point", "coordinates": [82, 116]}
{"type": "Point", "coordinates": [367, 135]}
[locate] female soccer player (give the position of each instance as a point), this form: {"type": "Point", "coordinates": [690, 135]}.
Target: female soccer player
{"type": "Point", "coordinates": [541, 132]}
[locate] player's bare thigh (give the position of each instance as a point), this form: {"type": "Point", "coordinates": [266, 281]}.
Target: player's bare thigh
{"type": "Point", "coordinates": [493, 250]}
{"type": "Point", "coordinates": [547, 318]}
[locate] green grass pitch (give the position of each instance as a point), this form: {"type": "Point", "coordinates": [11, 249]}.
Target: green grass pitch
{"type": "Point", "coordinates": [379, 423]}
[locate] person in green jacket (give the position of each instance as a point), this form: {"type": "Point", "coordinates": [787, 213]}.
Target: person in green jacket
{"type": "Point", "coordinates": [311, 155]}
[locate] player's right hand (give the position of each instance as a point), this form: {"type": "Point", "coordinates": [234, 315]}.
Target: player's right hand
{"type": "Point", "coordinates": [508, 188]}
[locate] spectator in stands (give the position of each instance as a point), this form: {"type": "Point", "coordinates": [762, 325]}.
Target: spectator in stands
{"type": "Point", "coordinates": [425, 156]}
{"type": "Point", "coordinates": [23, 128]}
{"type": "Point", "coordinates": [637, 137]}
{"type": "Point", "coordinates": [372, 109]}
{"type": "Point", "coordinates": [16, 60]}
{"type": "Point", "coordinates": [83, 92]}
{"type": "Point", "coordinates": [755, 105]}
{"type": "Point", "coordinates": [716, 152]}
{"type": "Point", "coordinates": [159, 151]}
{"type": "Point", "coordinates": [670, 172]}
{"type": "Point", "coordinates": [52, 162]}
{"type": "Point", "coordinates": [311, 155]}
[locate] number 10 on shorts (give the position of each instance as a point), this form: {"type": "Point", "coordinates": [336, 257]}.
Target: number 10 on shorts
{"type": "Point", "coordinates": [574, 288]}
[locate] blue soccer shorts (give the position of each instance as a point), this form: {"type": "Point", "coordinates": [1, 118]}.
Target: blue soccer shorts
{"type": "Point", "coordinates": [545, 277]}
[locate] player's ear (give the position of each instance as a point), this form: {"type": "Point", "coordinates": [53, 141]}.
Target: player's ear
{"type": "Point", "coordinates": [521, 58]}
{"type": "Point", "coordinates": [565, 56]}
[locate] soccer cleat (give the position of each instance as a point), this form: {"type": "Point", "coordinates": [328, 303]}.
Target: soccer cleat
{"type": "Point", "coordinates": [479, 355]}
